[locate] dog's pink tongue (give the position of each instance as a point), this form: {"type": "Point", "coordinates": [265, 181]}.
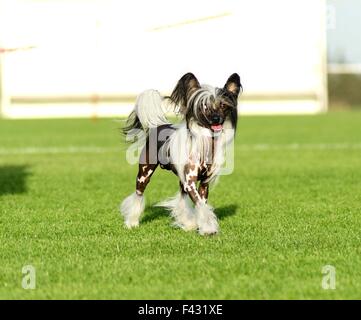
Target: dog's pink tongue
{"type": "Point", "coordinates": [216, 127]}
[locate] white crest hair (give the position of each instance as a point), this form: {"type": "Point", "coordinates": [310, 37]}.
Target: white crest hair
{"type": "Point", "coordinates": [202, 98]}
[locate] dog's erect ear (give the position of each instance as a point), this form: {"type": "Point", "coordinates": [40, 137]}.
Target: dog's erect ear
{"type": "Point", "coordinates": [185, 87]}
{"type": "Point", "coordinates": [233, 84]}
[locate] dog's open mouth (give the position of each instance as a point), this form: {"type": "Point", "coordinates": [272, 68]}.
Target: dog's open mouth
{"type": "Point", "coordinates": [216, 127]}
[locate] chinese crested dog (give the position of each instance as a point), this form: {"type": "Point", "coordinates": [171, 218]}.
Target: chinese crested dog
{"type": "Point", "coordinates": [193, 149]}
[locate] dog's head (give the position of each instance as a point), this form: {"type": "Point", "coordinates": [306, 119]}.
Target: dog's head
{"type": "Point", "coordinates": [209, 107]}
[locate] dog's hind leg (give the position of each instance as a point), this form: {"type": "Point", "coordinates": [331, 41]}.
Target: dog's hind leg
{"type": "Point", "coordinates": [133, 206]}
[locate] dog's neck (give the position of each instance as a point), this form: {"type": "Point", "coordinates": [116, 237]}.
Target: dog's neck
{"type": "Point", "coordinates": [208, 143]}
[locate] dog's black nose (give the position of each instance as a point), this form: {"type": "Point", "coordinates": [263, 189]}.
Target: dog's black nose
{"type": "Point", "coordinates": [216, 119]}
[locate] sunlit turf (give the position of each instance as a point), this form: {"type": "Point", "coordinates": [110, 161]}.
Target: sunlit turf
{"type": "Point", "coordinates": [291, 206]}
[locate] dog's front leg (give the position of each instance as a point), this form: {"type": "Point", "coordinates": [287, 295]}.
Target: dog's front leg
{"type": "Point", "coordinates": [203, 191]}
{"type": "Point", "coordinates": [206, 219]}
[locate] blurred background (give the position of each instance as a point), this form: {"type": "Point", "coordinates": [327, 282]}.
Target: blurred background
{"type": "Point", "coordinates": [344, 55]}
{"type": "Point", "coordinates": [90, 58]}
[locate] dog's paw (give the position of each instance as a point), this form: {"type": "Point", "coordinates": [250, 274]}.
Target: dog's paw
{"type": "Point", "coordinates": [131, 224]}
{"type": "Point", "coordinates": [209, 229]}
{"type": "Point", "coordinates": [207, 220]}
{"type": "Point", "coordinates": [131, 208]}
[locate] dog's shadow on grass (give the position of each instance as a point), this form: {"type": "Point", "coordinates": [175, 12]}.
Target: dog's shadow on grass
{"type": "Point", "coordinates": [154, 213]}
{"type": "Point", "coordinates": [225, 211]}
{"type": "Point", "coordinates": [13, 179]}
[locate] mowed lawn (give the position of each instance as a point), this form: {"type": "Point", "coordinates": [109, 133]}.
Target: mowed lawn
{"type": "Point", "coordinates": [291, 207]}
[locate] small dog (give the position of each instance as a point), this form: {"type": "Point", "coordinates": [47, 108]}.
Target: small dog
{"type": "Point", "coordinates": [193, 149]}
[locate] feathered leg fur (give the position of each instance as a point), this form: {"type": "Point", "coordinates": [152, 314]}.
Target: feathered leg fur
{"type": "Point", "coordinates": [131, 208]}
{"type": "Point", "coordinates": [181, 210]}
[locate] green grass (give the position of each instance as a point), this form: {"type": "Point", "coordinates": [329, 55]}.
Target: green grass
{"type": "Point", "coordinates": [285, 212]}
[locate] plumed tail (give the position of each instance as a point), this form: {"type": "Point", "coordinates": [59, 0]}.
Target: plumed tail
{"type": "Point", "coordinates": [133, 124]}
{"type": "Point", "coordinates": [148, 112]}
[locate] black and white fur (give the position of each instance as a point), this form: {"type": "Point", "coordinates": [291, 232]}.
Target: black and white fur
{"type": "Point", "coordinates": [192, 149]}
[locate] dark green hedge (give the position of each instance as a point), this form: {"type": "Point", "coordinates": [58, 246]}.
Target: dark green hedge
{"type": "Point", "coordinates": [344, 91]}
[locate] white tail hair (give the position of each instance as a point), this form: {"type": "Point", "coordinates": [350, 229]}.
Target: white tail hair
{"type": "Point", "coordinates": [150, 110]}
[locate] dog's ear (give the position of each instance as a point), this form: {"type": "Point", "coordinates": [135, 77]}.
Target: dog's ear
{"type": "Point", "coordinates": [233, 84]}
{"type": "Point", "coordinates": [185, 87]}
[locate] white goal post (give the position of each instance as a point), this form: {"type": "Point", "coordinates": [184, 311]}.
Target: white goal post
{"type": "Point", "coordinates": [91, 58]}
